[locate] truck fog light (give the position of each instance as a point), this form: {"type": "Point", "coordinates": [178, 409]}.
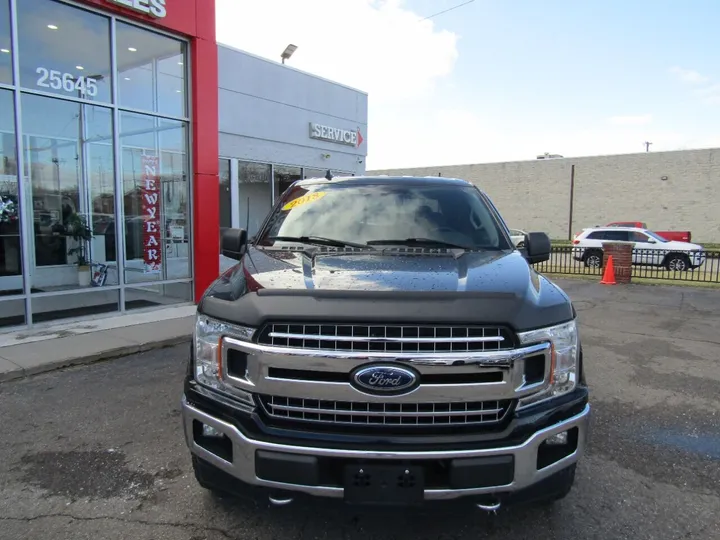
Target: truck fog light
{"type": "Point", "coordinates": [209, 431]}
{"type": "Point", "coordinates": [557, 439]}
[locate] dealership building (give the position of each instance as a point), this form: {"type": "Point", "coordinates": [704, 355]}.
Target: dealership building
{"type": "Point", "coordinates": [129, 138]}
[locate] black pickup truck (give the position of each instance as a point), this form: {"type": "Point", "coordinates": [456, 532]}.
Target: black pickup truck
{"type": "Point", "coordinates": [381, 341]}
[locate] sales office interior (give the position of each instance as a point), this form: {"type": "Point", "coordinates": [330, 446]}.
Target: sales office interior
{"type": "Point", "coordinates": [77, 115]}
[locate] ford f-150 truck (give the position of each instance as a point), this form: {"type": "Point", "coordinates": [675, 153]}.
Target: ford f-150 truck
{"type": "Point", "coordinates": [381, 341]}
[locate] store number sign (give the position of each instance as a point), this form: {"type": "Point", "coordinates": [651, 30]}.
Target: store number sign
{"type": "Point", "coordinates": [50, 78]}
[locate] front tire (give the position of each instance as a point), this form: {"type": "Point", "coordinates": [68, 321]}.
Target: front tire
{"type": "Point", "coordinates": [565, 483]}
{"type": "Point", "coordinates": [677, 262]}
{"type": "Point", "coordinates": [206, 481]}
{"type": "Point", "coordinates": [593, 258]}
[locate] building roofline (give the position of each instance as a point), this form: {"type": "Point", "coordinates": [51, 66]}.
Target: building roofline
{"type": "Point", "coordinates": [385, 179]}
{"type": "Point", "coordinates": [285, 66]}
{"type": "Point", "coordinates": [570, 159]}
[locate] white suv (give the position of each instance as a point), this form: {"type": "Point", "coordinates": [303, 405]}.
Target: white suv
{"type": "Point", "coordinates": [649, 249]}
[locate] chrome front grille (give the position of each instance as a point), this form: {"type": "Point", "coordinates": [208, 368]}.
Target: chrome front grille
{"type": "Point", "coordinates": [386, 338]}
{"type": "Point", "coordinates": [392, 414]}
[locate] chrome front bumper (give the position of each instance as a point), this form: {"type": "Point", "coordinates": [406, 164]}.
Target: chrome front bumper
{"type": "Point", "coordinates": [243, 466]}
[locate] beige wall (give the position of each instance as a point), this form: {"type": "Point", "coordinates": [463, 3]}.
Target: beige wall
{"type": "Point", "coordinates": [535, 195]}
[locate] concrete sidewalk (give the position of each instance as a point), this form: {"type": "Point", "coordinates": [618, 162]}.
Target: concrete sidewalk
{"type": "Point", "coordinates": [28, 352]}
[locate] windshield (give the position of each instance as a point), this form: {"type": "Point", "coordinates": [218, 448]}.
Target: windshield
{"type": "Point", "coordinates": [378, 214]}
{"type": "Point", "coordinates": [656, 236]}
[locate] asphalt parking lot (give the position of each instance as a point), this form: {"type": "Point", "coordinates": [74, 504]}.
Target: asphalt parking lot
{"type": "Point", "coordinates": [97, 452]}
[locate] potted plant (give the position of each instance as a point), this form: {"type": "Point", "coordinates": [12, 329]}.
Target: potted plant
{"type": "Point", "coordinates": [77, 228]}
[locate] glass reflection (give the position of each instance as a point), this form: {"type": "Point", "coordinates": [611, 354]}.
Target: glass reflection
{"type": "Point", "coordinates": [386, 215]}
{"type": "Point", "coordinates": [64, 50]}
{"type": "Point", "coordinates": [284, 177]}
{"type": "Point", "coordinates": [6, 75]}
{"type": "Point", "coordinates": [255, 194]}
{"type": "Point", "coordinates": [314, 173]}
{"type": "Point", "coordinates": [11, 281]}
{"type": "Point", "coordinates": [156, 193]}
{"type": "Point", "coordinates": [225, 202]}
{"type": "Point", "coordinates": [69, 154]}
{"type": "Point", "coordinates": [151, 71]}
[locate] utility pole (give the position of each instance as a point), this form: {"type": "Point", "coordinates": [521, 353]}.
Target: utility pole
{"type": "Point", "coordinates": [647, 146]}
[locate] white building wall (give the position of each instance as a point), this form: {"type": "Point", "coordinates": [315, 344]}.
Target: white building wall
{"type": "Point", "coordinates": [266, 108]}
{"type": "Point", "coordinates": [667, 190]}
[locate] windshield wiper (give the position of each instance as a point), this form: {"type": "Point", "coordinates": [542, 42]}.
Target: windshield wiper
{"type": "Point", "coordinates": [319, 240]}
{"type": "Point", "coordinates": [419, 242]}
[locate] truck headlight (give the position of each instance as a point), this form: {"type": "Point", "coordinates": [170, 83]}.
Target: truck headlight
{"type": "Point", "coordinates": [564, 351]}
{"type": "Point", "coordinates": [207, 339]}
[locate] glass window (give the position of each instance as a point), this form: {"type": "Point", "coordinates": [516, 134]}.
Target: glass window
{"type": "Point", "coordinates": [11, 281]}
{"type": "Point", "coordinates": [617, 236]}
{"type": "Point", "coordinates": [156, 193]}
{"type": "Point", "coordinates": [12, 312]}
{"type": "Point", "coordinates": [64, 50]}
{"type": "Point", "coordinates": [69, 154]}
{"type": "Point", "coordinates": [143, 297]}
{"type": "Point", "coordinates": [66, 306]}
{"type": "Point", "coordinates": [6, 75]}
{"type": "Point", "coordinates": [284, 177]}
{"type": "Point", "coordinates": [255, 194]}
{"type": "Point", "coordinates": [638, 237]}
{"type": "Point", "coordinates": [225, 202]}
{"type": "Point", "coordinates": [313, 173]}
{"type": "Point", "coordinates": [386, 214]}
{"type": "Point", "coordinates": [151, 71]}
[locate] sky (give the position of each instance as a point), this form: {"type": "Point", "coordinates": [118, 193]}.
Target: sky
{"type": "Point", "coordinates": [498, 80]}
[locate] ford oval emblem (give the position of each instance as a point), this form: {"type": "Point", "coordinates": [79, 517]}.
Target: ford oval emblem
{"type": "Point", "coordinates": [379, 379]}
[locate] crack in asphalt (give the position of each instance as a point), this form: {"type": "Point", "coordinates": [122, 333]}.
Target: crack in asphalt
{"type": "Point", "coordinates": [149, 523]}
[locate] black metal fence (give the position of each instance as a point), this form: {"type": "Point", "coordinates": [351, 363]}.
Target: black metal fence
{"type": "Point", "coordinates": [699, 266]}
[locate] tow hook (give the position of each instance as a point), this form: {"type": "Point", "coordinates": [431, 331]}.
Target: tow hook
{"type": "Point", "coordinates": [492, 505]}
{"type": "Point", "coordinates": [280, 499]}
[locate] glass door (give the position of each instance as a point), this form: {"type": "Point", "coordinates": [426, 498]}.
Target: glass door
{"type": "Point", "coordinates": [11, 280]}
{"type": "Point", "coordinates": [69, 160]}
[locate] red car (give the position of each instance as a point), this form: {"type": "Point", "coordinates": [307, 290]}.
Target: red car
{"type": "Point", "coordinates": [681, 236]}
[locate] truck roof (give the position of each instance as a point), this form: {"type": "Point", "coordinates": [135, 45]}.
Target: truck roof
{"type": "Point", "coordinates": [383, 179]}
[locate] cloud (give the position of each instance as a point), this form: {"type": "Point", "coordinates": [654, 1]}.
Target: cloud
{"type": "Point", "coordinates": [709, 95]}
{"type": "Point", "coordinates": [406, 65]}
{"type": "Point", "coordinates": [639, 120]}
{"type": "Point", "coordinates": [377, 46]}
{"type": "Point", "coordinates": [688, 75]}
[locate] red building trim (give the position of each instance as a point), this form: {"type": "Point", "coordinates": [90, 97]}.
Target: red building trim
{"type": "Point", "coordinates": [205, 129]}
{"type": "Point", "coordinates": [195, 21]}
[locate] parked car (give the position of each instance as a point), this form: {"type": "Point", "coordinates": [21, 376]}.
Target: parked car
{"type": "Point", "coordinates": [518, 238]}
{"type": "Point", "coordinates": [397, 351]}
{"type": "Point", "coordinates": [680, 236]}
{"type": "Point", "coordinates": [650, 249]}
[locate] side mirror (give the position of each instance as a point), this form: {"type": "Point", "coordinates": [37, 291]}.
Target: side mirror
{"type": "Point", "coordinates": [234, 242]}
{"type": "Point", "coordinates": [651, 241]}
{"type": "Point", "coordinates": [537, 247]}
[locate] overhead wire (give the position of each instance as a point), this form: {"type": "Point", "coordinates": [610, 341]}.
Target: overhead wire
{"type": "Point", "coordinates": [447, 10]}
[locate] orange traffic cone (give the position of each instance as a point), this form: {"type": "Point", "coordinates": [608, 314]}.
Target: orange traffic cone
{"type": "Point", "coordinates": [609, 274]}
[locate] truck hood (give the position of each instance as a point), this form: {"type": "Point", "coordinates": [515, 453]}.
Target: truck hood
{"type": "Point", "coordinates": [388, 270]}
{"type": "Point", "coordinates": [267, 283]}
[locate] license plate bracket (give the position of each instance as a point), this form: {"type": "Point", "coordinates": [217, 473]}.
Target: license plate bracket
{"type": "Point", "coordinates": [384, 484]}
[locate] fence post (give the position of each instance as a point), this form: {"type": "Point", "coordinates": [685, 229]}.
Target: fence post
{"type": "Point", "coordinates": [572, 197]}
{"type": "Point", "coordinates": [622, 259]}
